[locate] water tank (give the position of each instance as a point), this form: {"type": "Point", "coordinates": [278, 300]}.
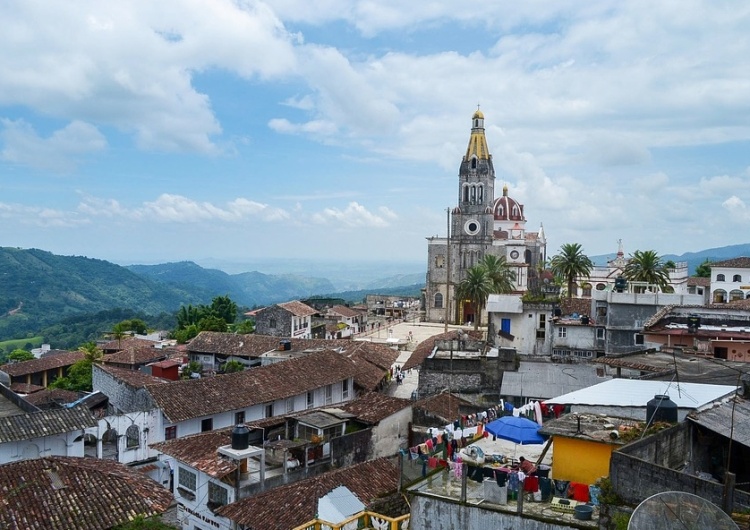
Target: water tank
{"type": "Point", "coordinates": [693, 322]}
{"type": "Point", "coordinates": [240, 437]}
{"type": "Point", "coordinates": [285, 345]}
{"type": "Point", "coordinates": [557, 312]}
{"type": "Point", "coordinates": [620, 284]}
{"type": "Point", "coordinates": [584, 320]}
{"type": "Point", "coordinates": [661, 408]}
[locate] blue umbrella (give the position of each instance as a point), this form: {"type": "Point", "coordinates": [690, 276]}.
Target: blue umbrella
{"type": "Point", "coordinates": [516, 429]}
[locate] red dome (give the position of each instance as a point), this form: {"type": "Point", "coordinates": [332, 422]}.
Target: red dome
{"type": "Point", "coordinates": [507, 209]}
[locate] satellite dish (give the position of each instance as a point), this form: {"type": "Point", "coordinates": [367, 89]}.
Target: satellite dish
{"type": "Point", "coordinates": [673, 510]}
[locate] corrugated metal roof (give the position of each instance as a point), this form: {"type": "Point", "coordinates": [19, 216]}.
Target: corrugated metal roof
{"type": "Point", "coordinates": [338, 505]}
{"type": "Point", "coordinates": [637, 393]}
{"type": "Point", "coordinates": [543, 380]}
{"type": "Point", "coordinates": [725, 421]}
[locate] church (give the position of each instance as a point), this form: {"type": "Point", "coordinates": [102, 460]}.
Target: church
{"type": "Point", "coordinates": [479, 225]}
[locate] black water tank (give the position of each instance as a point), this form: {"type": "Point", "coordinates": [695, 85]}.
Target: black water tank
{"type": "Point", "coordinates": [558, 312]}
{"type": "Point", "coordinates": [285, 345]}
{"type": "Point", "coordinates": [584, 320]}
{"type": "Point", "coordinates": [240, 437]}
{"type": "Point", "coordinates": [661, 408]}
{"type": "Point", "coordinates": [693, 322]}
{"type": "Point", "coordinates": [620, 284]}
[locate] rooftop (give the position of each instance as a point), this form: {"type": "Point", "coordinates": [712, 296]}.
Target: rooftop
{"type": "Point", "coordinates": [48, 362]}
{"type": "Point", "coordinates": [590, 427]}
{"type": "Point", "coordinates": [374, 407]}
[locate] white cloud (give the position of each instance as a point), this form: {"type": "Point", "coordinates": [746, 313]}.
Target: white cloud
{"type": "Point", "coordinates": [40, 216]}
{"type": "Point", "coordinates": [737, 208]}
{"type": "Point", "coordinates": [60, 152]}
{"type": "Point", "coordinates": [317, 128]}
{"type": "Point", "coordinates": [354, 215]}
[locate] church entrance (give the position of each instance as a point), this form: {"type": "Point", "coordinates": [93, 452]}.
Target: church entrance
{"type": "Point", "coordinates": [468, 312]}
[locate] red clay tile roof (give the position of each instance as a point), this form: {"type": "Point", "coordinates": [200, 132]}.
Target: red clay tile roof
{"type": "Point", "coordinates": [294, 504]}
{"type": "Point", "coordinates": [62, 493]}
{"type": "Point", "coordinates": [424, 348]}
{"type": "Point", "coordinates": [701, 282]}
{"type": "Point", "coordinates": [25, 388]}
{"type": "Point", "coordinates": [742, 262]}
{"type": "Point", "coordinates": [133, 378]}
{"type": "Point", "coordinates": [344, 311]}
{"type": "Point", "coordinates": [182, 400]}
{"type": "Point", "coordinates": [44, 423]}
{"type": "Point", "coordinates": [372, 360]}
{"type": "Point", "coordinates": [374, 407]}
{"type": "Point", "coordinates": [252, 345]}
{"type": "Point", "coordinates": [48, 362]}
{"type": "Point", "coordinates": [201, 451]}
{"type": "Point", "coordinates": [446, 405]}
{"type": "Point", "coordinates": [46, 397]}
{"type": "Point", "coordinates": [582, 306]}
{"type": "Point", "coordinates": [299, 309]}
{"type": "Point", "coordinates": [135, 354]}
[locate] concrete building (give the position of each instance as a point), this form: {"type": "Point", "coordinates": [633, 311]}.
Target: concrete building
{"type": "Point", "coordinates": [730, 280]}
{"type": "Point", "coordinates": [480, 225]}
{"type": "Point", "coordinates": [290, 319]}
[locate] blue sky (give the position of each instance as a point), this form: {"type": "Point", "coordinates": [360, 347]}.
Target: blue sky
{"type": "Point", "coordinates": [146, 132]}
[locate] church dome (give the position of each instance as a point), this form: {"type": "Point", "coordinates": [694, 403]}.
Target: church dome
{"type": "Point", "coordinates": [506, 208]}
{"type": "Point", "coordinates": [478, 115]}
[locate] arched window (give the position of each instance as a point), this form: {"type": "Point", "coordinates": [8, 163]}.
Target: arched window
{"type": "Point", "coordinates": [438, 300]}
{"type": "Point", "coordinates": [466, 193]}
{"type": "Point", "coordinates": [586, 290]}
{"type": "Point", "coordinates": [474, 163]}
{"type": "Point", "coordinates": [720, 296]}
{"type": "Point", "coordinates": [515, 211]}
{"type": "Point", "coordinates": [473, 194]}
{"type": "Point", "coordinates": [131, 436]}
{"type": "Point", "coordinates": [480, 194]}
{"type": "Point", "coordinates": [500, 210]}
{"type": "Point", "coordinates": [736, 294]}
{"type": "Point", "coordinates": [736, 278]}
{"type": "Point", "coordinates": [720, 278]}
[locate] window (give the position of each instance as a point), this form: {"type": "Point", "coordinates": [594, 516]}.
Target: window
{"type": "Point", "coordinates": [329, 394]}
{"type": "Point", "coordinates": [586, 290]}
{"type": "Point", "coordinates": [541, 330]}
{"type": "Point", "coordinates": [170, 433]}
{"type": "Point", "coordinates": [269, 410]}
{"type": "Point", "coordinates": [131, 437]}
{"type": "Point", "coordinates": [345, 389]}
{"type": "Point", "coordinates": [290, 405]}
{"type": "Point", "coordinates": [310, 400]}
{"type": "Point", "coordinates": [438, 300]}
{"type": "Point", "coordinates": [207, 424]}
{"type": "Point", "coordinates": [439, 261]}
{"type": "Point", "coordinates": [638, 339]}
{"type": "Point", "coordinates": [217, 495]}
{"type": "Point", "coordinates": [720, 278]}
{"type": "Point", "coordinates": [239, 417]}
{"type": "Point", "coordinates": [562, 333]}
{"type": "Point", "coordinates": [271, 322]}
{"type": "Point", "coordinates": [186, 479]}
{"type": "Point", "coordinates": [736, 278]}
{"type": "Point", "coordinates": [600, 333]}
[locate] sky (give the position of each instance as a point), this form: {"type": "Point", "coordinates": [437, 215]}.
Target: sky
{"type": "Point", "coordinates": [150, 132]}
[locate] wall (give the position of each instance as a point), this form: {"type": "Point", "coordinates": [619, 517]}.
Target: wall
{"type": "Point", "coordinates": [122, 397]}
{"type": "Point", "coordinates": [64, 444]}
{"type": "Point", "coordinates": [391, 434]}
{"type": "Point", "coordinates": [580, 460]}
{"type": "Point", "coordinates": [432, 513]}
{"type": "Point", "coordinates": [479, 375]}
{"type": "Point", "coordinates": [283, 322]}
{"type": "Point", "coordinates": [148, 433]}
{"type": "Point", "coordinates": [523, 327]}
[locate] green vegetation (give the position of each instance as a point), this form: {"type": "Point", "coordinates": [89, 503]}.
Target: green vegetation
{"type": "Point", "coordinates": [646, 266]}
{"type": "Point", "coordinates": [144, 523]}
{"type": "Point", "coordinates": [704, 269]}
{"type": "Point", "coordinates": [491, 275]}
{"type": "Point", "coordinates": [571, 263]}
{"type": "Point", "coordinates": [79, 377]}
{"type": "Point", "coordinates": [191, 320]}
{"type": "Point", "coordinates": [193, 367]}
{"type": "Point", "coordinates": [26, 344]}
{"type": "Point", "coordinates": [231, 367]}
{"type": "Point", "coordinates": [17, 356]}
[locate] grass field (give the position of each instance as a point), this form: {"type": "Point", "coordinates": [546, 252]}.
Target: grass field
{"type": "Point", "coordinates": [20, 343]}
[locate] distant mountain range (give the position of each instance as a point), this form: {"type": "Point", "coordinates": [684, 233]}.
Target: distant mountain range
{"type": "Point", "coordinates": [693, 259]}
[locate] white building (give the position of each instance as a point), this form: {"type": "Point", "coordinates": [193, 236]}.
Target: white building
{"type": "Point", "coordinates": [730, 280]}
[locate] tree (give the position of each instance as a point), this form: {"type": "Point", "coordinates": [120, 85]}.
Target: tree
{"type": "Point", "coordinates": [212, 323]}
{"type": "Point", "coordinates": [193, 367]}
{"type": "Point", "coordinates": [646, 266]}
{"type": "Point", "coordinates": [188, 315]}
{"type": "Point", "coordinates": [19, 355]}
{"type": "Point", "coordinates": [244, 327]}
{"type": "Point", "coordinates": [476, 287]}
{"type": "Point", "coordinates": [571, 263]}
{"type": "Point", "coordinates": [669, 264]}
{"type": "Point", "coordinates": [703, 270]}
{"type": "Point", "coordinates": [224, 307]}
{"type": "Point", "coordinates": [143, 523]}
{"type": "Point", "coordinates": [231, 367]}
{"type": "Point", "coordinates": [79, 377]}
{"type": "Point", "coordinates": [499, 273]}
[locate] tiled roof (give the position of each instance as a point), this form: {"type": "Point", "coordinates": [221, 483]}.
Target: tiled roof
{"type": "Point", "coordinates": [44, 423]}
{"type": "Point", "coordinates": [133, 378]}
{"type": "Point", "coordinates": [444, 405]}
{"type": "Point", "coordinates": [424, 348]}
{"type": "Point", "coordinates": [135, 354]}
{"type": "Point", "coordinates": [374, 407]}
{"type": "Point", "coordinates": [700, 282]}
{"type": "Point", "coordinates": [294, 504]}
{"type": "Point", "coordinates": [44, 363]}
{"type": "Point", "coordinates": [297, 308]}
{"type": "Point", "coordinates": [182, 400]}
{"type": "Point", "coordinates": [200, 451]}
{"type": "Point", "coordinates": [25, 388]}
{"type": "Point", "coordinates": [734, 263]}
{"type": "Point", "coordinates": [46, 397]}
{"type": "Point", "coordinates": [252, 345]}
{"type": "Point", "coordinates": [582, 306]}
{"type": "Point", "coordinates": [61, 493]}
{"type": "Point", "coordinates": [373, 361]}
{"type": "Point", "coordinates": [344, 311]}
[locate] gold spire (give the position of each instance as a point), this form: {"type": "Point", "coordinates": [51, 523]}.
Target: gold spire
{"type": "Point", "coordinates": [477, 141]}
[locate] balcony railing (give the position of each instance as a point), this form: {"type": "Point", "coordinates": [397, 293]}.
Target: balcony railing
{"type": "Point", "coordinates": [360, 520]}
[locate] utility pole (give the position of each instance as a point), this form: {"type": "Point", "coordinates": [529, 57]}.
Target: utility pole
{"type": "Point", "coordinates": [448, 267]}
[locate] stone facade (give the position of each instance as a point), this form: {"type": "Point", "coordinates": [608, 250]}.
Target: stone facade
{"type": "Point", "coordinates": [274, 321]}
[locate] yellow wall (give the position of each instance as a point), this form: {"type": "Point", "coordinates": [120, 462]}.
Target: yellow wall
{"type": "Point", "coordinates": [580, 460]}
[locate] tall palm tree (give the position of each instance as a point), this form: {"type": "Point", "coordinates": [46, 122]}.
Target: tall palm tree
{"type": "Point", "coordinates": [476, 287]}
{"type": "Point", "coordinates": [647, 266]}
{"type": "Point", "coordinates": [571, 263]}
{"type": "Point", "coordinates": [500, 274]}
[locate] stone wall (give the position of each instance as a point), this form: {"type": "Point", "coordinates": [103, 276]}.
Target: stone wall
{"type": "Point", "coordinates": [283, 322]}
{"type": "Point", "coordinates": [352, 448]}
{"type": "Point", "coordinates": [123, 398]}
{"type": "Point", "coordinates": [468, 376]}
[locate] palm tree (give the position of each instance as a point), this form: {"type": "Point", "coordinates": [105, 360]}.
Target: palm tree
{"type": "Point", "coordinates": [571, 263]}
{"type": "Point", "coordinates": [475, 288]}
{"type": "Point", "coordinates": [646, 266]}
{"type": "Point", "coordinates": [499, 273]}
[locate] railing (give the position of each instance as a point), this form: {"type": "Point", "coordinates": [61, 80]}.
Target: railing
{"type": "Point", "coordinates": [360, 520]}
